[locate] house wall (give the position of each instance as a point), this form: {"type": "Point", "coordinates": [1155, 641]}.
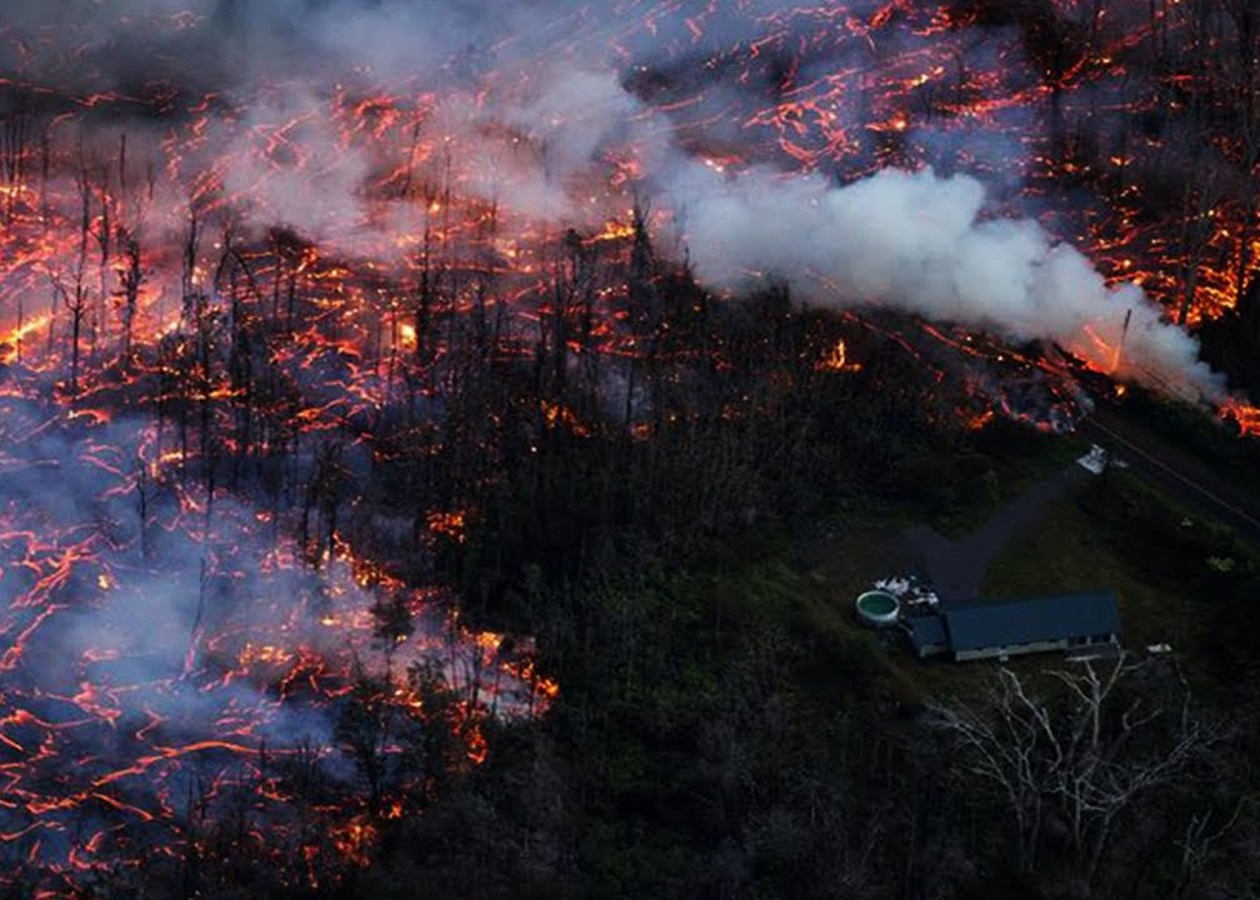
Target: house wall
{"type": "Point", "coordinates": [1034, 647]}
{"type": "Point", "coordinates": [1012, 650]}
{"type": "Point", "coordinates": [926, 650]}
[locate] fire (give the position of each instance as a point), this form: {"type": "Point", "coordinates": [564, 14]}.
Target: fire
{"type": "Point", "coordinates": [478, 748]}
{"type": "Point", "coordinates": [355, 842]}
{"type": "Point", "coordinates": [1244, 416]}
{"type": "Point", "coordinates": [291, 264]}
{"type": "Point", "coordinates": [189, 685]}
{"type": "Point", "coordinates": [489, 641]}
{"type": "Point", "coordinates": [450, 525]}
{"type": "Point", "coordinates": [615, 230]}
{"type": "Point", "coordinates": [269, 654]}
{"type": "Point", "coordinates": [977, 421]}
{"type": "Point", "coordinates": [557, 415]}
{"type": "Point", "coordinates": [11, 344]}
{"type": "Point", "coordinates": [837, 359]}
{"type": "Point", "coordinates": [548, 688]}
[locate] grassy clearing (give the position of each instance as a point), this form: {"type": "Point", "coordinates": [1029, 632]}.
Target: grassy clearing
{"type": "Point", "coordinates": [1008, 459]}
{"type": "Point", "coordinates": [1172, 569]}
{"type": "Point", "coordinates": [1163, 561]}
{"type": "Point", "coordinates": [1064, 553]}
{"type": "Point", "coordinates": [1174, 574]}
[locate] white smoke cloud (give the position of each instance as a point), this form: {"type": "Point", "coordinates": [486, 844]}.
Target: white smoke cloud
{"type": "Point", "coordinates": [288, 161]}
{"type": "Point", "coordinates": [533, 137]}
{"type": "Point", "coordinates": [918, 242]}
{"type": "Point", "coordinates": [133, 679]}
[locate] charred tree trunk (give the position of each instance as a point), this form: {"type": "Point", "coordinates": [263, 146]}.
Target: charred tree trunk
{"type": "Point", "coordinates": [74, 296]}
{"type": "Point", "coordinates": [103, 235]}
{"type": "Point", "coordinates": [16, 131]}
{"type": "Point", "coordinates": [131, 277]}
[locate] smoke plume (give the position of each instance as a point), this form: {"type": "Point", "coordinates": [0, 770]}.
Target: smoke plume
{"type": "Point", "coordinates": [535, 102]}
{"type": "Point", "coordinates": [920, 243]}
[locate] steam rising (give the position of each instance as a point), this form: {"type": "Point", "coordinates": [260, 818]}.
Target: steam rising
{"type": "Point", "coordinates": [529, 106]}
{"type": "Point", "coordinates": [919, 242]}
{"type": "Point", "coordinates": [531, 102]}
{"type": "Point", "coordinates": [146, 673]}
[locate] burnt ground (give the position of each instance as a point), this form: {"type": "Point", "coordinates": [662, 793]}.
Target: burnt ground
{"type": "Point", "coordinates": [956, 568]}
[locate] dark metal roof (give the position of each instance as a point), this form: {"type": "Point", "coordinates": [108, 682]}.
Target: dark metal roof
{"type": "Point", "coordinates": [1007, 623]}
{"type": "Point", "coordinates": [925, 631]}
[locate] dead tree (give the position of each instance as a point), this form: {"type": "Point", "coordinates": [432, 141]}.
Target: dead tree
{"type": "Point", "coordinates": [130, 276]}
{"type": "Point", "coordinates": [74, 294]}
{"type": "Point", "coordinates": [434, 273]}
{"type": "Point", "coordinates": [1079, 755]}
{"type": "Point", "coordinates": [1197, 226]}
{"type": "Point", "coordinates": [131, 210]}
{"type": "Point", "coordinates": [1201, 841]}
{"type": "Point", "coordinates": [1242, 80]}
{"type": "Point", "coordinates": [16, 133]}
{"type": "Point", "coordinates": [325, 491]}
{"type": "Point", "coordinates": [103, 234]}
{"type": "Point", "coordinates": [145, 490]}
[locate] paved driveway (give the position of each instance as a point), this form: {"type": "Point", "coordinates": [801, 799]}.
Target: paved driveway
{"type": "Point", "coordinates": [955, 569]}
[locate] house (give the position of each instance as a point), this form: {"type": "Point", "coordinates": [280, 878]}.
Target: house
{"type": "Point", "coordinates": [982, 629]}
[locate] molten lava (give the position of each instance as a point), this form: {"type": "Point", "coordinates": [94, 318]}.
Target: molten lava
{"type": "Point", "coordinates": [215, 297]}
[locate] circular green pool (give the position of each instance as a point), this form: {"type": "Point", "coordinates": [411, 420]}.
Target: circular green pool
{"type": "Point", "coordinates": [878, 608]}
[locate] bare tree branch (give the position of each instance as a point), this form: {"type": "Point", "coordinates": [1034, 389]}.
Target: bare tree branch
{"type": "Point", "coordinates": [1080, 750]}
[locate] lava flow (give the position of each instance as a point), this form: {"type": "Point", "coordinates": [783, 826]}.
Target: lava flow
{"type": "Point", "coordinates": [168, 666]}
{"type": "Point", "coordinates": [251, 252]}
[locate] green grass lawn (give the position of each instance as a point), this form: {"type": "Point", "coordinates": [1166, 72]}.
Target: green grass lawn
{"type": "Point", "coordinates": [1014, 467]}
{"type": "Point", "coordinates": [1065, 552]}
{"type": "Point", "coordinates": [1162, 560]}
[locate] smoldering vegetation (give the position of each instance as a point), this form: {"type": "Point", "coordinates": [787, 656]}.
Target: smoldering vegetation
{"type": "Point", "coordinates": [536, 104]}
{"type": "Point", "coordinates": [562, 319]}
